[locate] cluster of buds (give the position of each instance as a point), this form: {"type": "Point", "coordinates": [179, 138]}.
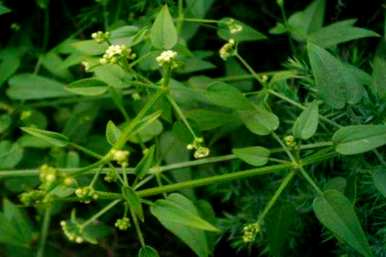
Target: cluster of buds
{"type": "Point", "coordinates": [250, 231]}
{"type": "Point", "coordinates": [47, 174]}
{"type": "Point", "coordinates": [290, 141]}
{"type": "Point", "coordinates": [72, 231]}
{"type": "Point", "coordinates": [100, 36]}
{"type": "Point", "coordinates": [115, 52]}
{"type": "Point", "coordinates": [120, 156]}
{"type": "Point", "coordinates": [233, 26]}
{"type": "Point", "coordinates": [200, 151]}
{"type": "Point", "coordinates": [167, 57]}
{"type": "Point", "coordinates": [111, 176]}
{"type": "Point", "coordinates": [86, 194]}
{"type": "Point", "coordinates": [86, 65]}
{"type": "Point", "coordinates": [32, 197]}
{"type": "Point", "coordinates": [228, 49]}
{"type": "Point", "coordinates": [122, 223]}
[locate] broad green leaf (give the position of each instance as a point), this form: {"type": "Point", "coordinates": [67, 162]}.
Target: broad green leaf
{"type": "Point", "coordinates": [254, 155]}
{"type": "Point", "coordinates": [208, 119]}
{"type": "Point", "coordinates": [339, 32]}
{"type": "Point", "coordinates": [163, 33]}
{"type": "Point", "coordinates": [379, 180]}
{"type": "Point", "coordinates": [5, 122]}
{"type": "Point", "coordinates": [225, 95]}
{"type": "Point", "coordinates": [379, 71]}
{"type": "Point", "coordinates": [247, 33]}
{"type": "Point", "coordinates": [54, 138]}
{"type": "Point", "coordinates": [279, 223]}
{"type": "Point", "coordinates": [176, 208]}
{"type": "Point", "coordinates": [10, 154]}
{"type": "Point", "coordinates": [310, 20]}
{"type": "Point", "coordinates": [306, 124]}
{"type": "Point", "coordinates": [30, 86]}
{"type": "Point", "coordinates": [54, 64]}
{"type": "Point", "coordinates": [112, 133]}
{"type": "Point", "coordinates": [338, 183]}
{"type": "Point", "coordinates": [133, 201]}
{"type": "Point", "coordinates": [359, 138]}
{"type": "Point", "coordinates": [337, 213]}
{"type": "Point", "coordinates": [194, 9]}
{"type": "Point", "coordinates": [259, 121]}
{"type": "Point", "coordinates": [4, 9]}
{"type": "Point", "coordinates": [147, 251]}
{"type": "Point", "coordinates": [9, 62]}
{"type": "Point", "coordinates": [335, 85]}
{"type": "Point", "coordinates": [147, 131]}
{"type": "Point", "coordinates": [87, 87]}
{"type": "Point", "coordinates": [195, 238]}
{"type": "Point", "coordinates": [145, 163]}
{"type": "Point", "coordinates": [113, 75]}
{"type": "Point", "coordinates": [89, 47]}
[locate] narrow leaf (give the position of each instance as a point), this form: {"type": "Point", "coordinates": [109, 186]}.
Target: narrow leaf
{"type": "Point", "coordinates": [53, 138]}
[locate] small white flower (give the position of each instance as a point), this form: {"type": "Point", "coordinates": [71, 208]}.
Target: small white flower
{"type": "Point", "coordinates": [114, 52]}
{"type": "Point", "coordinates": [100, 36]}
{"type": "Point", "coordinates": [166, 57]}
{"type": "Point", "coordinates": [201, 152]}
{"type": "Point", "coordinates": [228, 49]}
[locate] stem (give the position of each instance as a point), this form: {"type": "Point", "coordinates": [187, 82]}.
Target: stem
{"type": "Point", "coordinates": [284, 16]}
{"type": "Point", "coordinates": [200, 20]}
{"type": "Point", "coordinates": [137, 228]}
{"type": "Point", "coordinates": [86, 151]}
{"type": "Point", "coordinates": [100, 213]}
{"type": "Point", "coordinates": [181, 16]}
{"type": "Point", "coordinates": [276, 195]}
{"type": "Point", "coordinates": [249, 68]}
{"type": "Point", "coordinates": [44, 231]}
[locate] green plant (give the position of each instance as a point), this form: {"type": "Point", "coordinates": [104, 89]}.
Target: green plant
{"type": "Point", "coordinates": [138, 127]}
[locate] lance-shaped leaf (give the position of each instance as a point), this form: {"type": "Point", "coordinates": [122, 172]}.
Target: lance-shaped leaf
{"type": "Point", "coordinates": [254, 155]}
{"type": "Point", "coordinates": [50, 137]}
{"type": "Point", "coordinates": [259, 121]}
{"type": "Point", "coordinates": [337, 213]}
{"type": "Point", "coordinates": [163, 33]}
{"type": "Point", "coordinates": [145, 163]}
{"type": "Point", "coordinates": [87, 87]}
{"type": "Point", "coordinates": [133, 201]}
{"type": "Point", "coordinates": [306, 124]}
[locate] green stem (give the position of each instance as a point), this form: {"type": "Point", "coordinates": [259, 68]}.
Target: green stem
{"type": "Point", "coordinates": [287, 179]}
{"type": "Point", "coordinates": [86, 151]}
{"type": "Point", "coordinates": [284, 16]}
{"type": "Point", "coordinates": [44, 231]}
{"type": "Point", "coordinates": [181, 16]}
{"type": "Point", "coordinates": [100, 213]}
{"type": "Point", "coordinates": [200, 20]}
{"type": "Point", "coordinates": [137, 228]}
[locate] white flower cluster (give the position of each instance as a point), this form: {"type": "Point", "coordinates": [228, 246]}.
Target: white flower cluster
{"type": "Point", "coordinates": [71, 231]}
{"type": "Point", "coordinates": [233, 26]}
{"type": "Point", "coordinates": [100, 36]}
{"type": "Point", "coordinates": [228, 50]}
{"type": "Point", "coordinates": [86, 65]}
{"type": "Point", "coordinates": [200, 151]}
{"type": "Point", "coordinates": [167, 57]}
{"type": "Point", "coordinates": [86, 194]}
{"type": "Point", "coordinates": [250, 231]}
{"type": "Point", "coordinates": [47, 174]}
{"type": "Point", "coordinates": [115, 52]}
{"type": "Point", "coordinates": [122, 223]}
{"type": "Point", "coordinates": [120, 156]}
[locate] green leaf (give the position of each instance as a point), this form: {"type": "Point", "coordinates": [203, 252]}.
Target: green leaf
{"type": "Point", "coordinates": [255, 155]}
{"type": "Point", "coordinates": [54, 138]}
{"type": "Point", "coordinates": [339, 32]}
{"type": "Point", "coordinates": [304, 22]}
{"type": "Point", "coordinates": [359, 138]}
{"type": "Point", "coordinates": [225, 95]}
{"type": "Point", "coordinates": [147, 251]}
{"type": "Point", "coordinates": [5, 122]}
{"type": "Point", "coordinates": [379, 71]}
{"type": "Point", "coordinates": [259, 121]}
{"type": "Point", "coordinates": [10, 59]}
{"type": "Point", "coordinates": [306, 124]}
{"type": "Point", "coordinates": [89, 47]}
{"type": "Point", "coordinates": [181, 223]}
{"type": "Point", "coordinates": [208, 119]}
{"type": "Point", "coordinates": [145, 163]}
{"type": "Point", "coordinates": [113, 75]}
{"type": "Point", "coordinates": [247, 33]}
{"type": "Point", "coordinates": [133, 201]}
{"type": "Point", "coordinates": [10, 154]}
{"type": "Point", "coordinates": [176, 208]}
{"type": "Point", "coordinates": [4, 9]}
{"type": "Point", "coordinates": [112, 133]}
{"type": "Point", "coordinates": [30, 86]}
{"type": "Point", "coordinates": [335, 85]}
{"type": "Point", "coordinates": [379, 180]}
{"type": "Point", "coordinates": [163, 33]}
{"type": "Point", "coordinates": [87, 87]}
{"type": "Point", "coordinates": [337, 213]}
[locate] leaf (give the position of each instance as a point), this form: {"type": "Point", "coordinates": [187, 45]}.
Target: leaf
{"type": "Point", "coordinates": [304, 22]}
{"type": "Point", "coordinates": [379, 180]}
{"type": "Point", "coordinates": [339, 32]}
{"type": "Point", "coordinates": [112, 133]}
{"type": "Point", "coordinates": [259, 121]}
{"type": "Point", "coordinates": [10, 154]}
{"type": "Point", "coordinates": [145, 163]}
{"type": "Point", "coordinates": [225, 95]}
{"type": "Point", "coordinates": [147, 251]}
{"type": "Point", "coordinates": [113, 75]}
{"type": "Point", "coordinates": [247, 33]}
{"type": "Point", "coordinates": [335, 85]}
{"type": "Point", "coordinates": [194, 9]}
{"type": "Point", "coordinates": [29, 86]}
{"type": "Point", "coordinates": [10, 59]}
{"type": "Point", "coordinates": [4, 9]}
{"type": "Point", "coordinates": [176, 208]}
{"type": "Point", "coordinates": [53, 138]}
{"type": "Point", "coordinates": [89, 47]}
{"type": "Point", "coordinates": [255, 155]}
{"type": "Point", "coordinates": [359, 138]}
{"type": "Point", "coordinates": [87, 87]}
{"type": "Point", "coordinates": [306, 124]}
{"type": "Point", "coordinates": [337, 213]}
{"type": "Point", "coordinates": [133, 201]}
{"type": "Point", "coordinates": [163, 33]}
{"type": "Point", "coordinates": [379, 71]}
{"type": "Point", "coordinates": [195, 238]}
{"type": "Point", "coordinates": [208, 119]}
